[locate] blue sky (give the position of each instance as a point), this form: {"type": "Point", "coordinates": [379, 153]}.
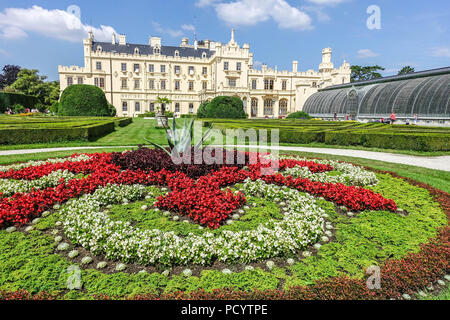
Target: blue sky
{"type": "Point", "coordinates": [43, 35]}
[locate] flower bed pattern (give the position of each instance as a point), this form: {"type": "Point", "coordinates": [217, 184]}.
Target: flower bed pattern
{"type": "Point", "coordinates": [106, 183]}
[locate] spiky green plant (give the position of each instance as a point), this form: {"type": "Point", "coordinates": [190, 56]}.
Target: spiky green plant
{"type": "Point", "coordinates": [180, 140]}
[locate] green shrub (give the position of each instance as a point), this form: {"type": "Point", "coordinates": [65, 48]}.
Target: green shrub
{"type": "Point", "coordinates": [298, 115]}
{"type": "Point", "coordinates": [9, 99]}
{"type": "Point", "coordinates": [18, 108]}
{"type": "Point", "coordinates": [112, 110]}
{"type": "Point", "coordinates": [223, 107]}
{"type": "Point", "coordinates": [83, 100]}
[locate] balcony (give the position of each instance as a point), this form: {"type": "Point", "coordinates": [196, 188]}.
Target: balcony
{"type": "Point", "coordinates": [233, 73]}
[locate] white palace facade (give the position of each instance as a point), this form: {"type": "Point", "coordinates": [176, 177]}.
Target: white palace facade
{"type": "Point", "coordinates": [133, 76]}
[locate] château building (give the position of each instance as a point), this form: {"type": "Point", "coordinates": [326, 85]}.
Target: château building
{"type": "Point", "coordinates": [134, 75]}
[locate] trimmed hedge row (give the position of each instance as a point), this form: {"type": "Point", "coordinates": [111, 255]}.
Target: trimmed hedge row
{"type": "Point", "coordinates": [72, 132]}
{"type": "Point", "coordinates": [30, 136]}
{"type": "Point", "coordinates": [400, 141]}
{"type": "Point", "coordinates": [347, 134]}
{"type": "Point", "coordinates": [9, 99]}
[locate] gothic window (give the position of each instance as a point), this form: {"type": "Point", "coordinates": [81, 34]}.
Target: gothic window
{"type": "Point", "coordinates": [283, 108]}
{"type": "Point", "coordinates": [254, 105]}
{"type": "Point", "coordinates": [268, 107]}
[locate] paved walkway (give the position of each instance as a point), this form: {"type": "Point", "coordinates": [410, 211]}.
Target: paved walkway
{"type": "Point", "coordinates": [437, 163]}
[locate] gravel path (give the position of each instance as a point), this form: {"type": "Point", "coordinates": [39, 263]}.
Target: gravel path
{"type": "Point", "coordinates": [437, 163]}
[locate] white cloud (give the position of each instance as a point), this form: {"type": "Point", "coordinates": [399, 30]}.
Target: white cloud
{"type": "Point", "coordinates": [171, 32]}
{"type": "Point", "coordinates": [327, 2]}
{"type": "Point", "coordinates": [366, 53]}
{"type": "Point", "coordinates": [252, 12]}
{"type": "Point", "coordinates": [441, 52]}
{"type": "Point", "coordinates": [321, 15]}
{"type": "Point", "coordinates": [16, 23]}
{"type": "Point", "coordinates": [188, 27]}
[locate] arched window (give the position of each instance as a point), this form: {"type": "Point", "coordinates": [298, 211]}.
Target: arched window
{"type": "Point", "coordinates": [204, 55]}
{"type": "Point", "coordinates": [99, 48]}
{"type": "Point", "coordinates": [268, 107]}
{"type": "Point", "coordinates": [136, 50]}
{"type": "Point", "coordinates": [124, 106]}
{"type": "Point", "coordinates": [177, 54]}
{"type": "Point", "coordinates": [254, 111]}
{"type": "Point", "coordinates": [283, 108]}
{"type": "Point", "coordinates": [191, 108]}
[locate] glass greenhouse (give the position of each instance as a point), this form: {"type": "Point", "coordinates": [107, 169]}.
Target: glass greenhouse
{"type": "Point", "coordinates": [425, 93]}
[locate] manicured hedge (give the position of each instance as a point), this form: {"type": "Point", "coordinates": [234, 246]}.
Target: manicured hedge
{"type": "Point", "coordinates": [9, 99]}
{"type": "Point", "coordinates": [374, 135]}
{"type": "Point", "coordinates": [124, 122]}
{"type": "Point", "coordinates": [29, 130]}
{"type": "Point", "coordinates": [47, 135]}
{"type": "Point", "coordinates": [400, 141]}
{"type": "Point", "coordinates": [223, 107]}
{"type": "Point", "coordinates": [84, 100]}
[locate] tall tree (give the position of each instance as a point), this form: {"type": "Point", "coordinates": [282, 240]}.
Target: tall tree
{"type": "Point", "coordinates": [31, 83]}
{"type": "Point", "coordinates": [406, 70]}
{"type": "Point", "coordinates": [360, 73]}
{"type": "Point", "coordinates": [9, 75]}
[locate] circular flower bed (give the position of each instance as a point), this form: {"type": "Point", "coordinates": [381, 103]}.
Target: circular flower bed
{"type": "Point", "coordinates": [244, 226]}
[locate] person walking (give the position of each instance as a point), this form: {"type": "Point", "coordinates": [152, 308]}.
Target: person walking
{"type": "Point", "coordinates": [416, 119]}
{"type": "Point", "coordinates": [335, 116]}
{"type": "Point", "coordinates": [393, 118]}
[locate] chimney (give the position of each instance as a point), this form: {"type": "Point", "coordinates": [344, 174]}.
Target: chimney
{"type": "Point", "coordinates": [155, 41]}
{"type": "Point", "coordinates": [122, 40]}
{"type": "Point", "coordinates": [195, 44]}
{"type": "Point", "coordinates": [207, 43]}
{"type": "Point", "coordinates": [295, 66]}
{"type": "Point", "coordinates": [113, 38]}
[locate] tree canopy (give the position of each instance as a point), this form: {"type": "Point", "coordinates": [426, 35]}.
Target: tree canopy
{"type": "Point", "coordinates": [406, 70]}
{"type": "Point", "coordinates": [360, 73]}
{"type": "Point", "coordinates": [9, 75]}
{"type": "Point", "coordinates": [29, 82]}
